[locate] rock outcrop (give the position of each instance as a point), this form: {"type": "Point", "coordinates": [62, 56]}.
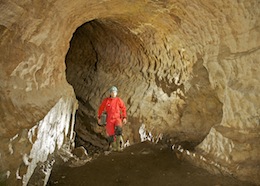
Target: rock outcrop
{"type": "Point", "coordinates": [187, 71]}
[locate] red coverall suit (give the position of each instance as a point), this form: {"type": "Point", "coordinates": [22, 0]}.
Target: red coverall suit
{"type": "Point", "coordinates": [116, 111]}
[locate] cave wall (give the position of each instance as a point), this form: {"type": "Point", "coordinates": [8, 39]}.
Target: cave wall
{"type": "Point", "coordinates": [187, 70]}
{"type": "Point", "coordinates": [33, 90]}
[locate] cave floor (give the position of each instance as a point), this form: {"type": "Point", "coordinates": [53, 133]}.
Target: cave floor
{"type": "Point", "coordinates": [141, 164]}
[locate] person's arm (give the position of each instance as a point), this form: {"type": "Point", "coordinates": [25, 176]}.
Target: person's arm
{"type": "Point", "coordinates": [101, 108]}
{"type": "Point", "coordinates": [123, 109]}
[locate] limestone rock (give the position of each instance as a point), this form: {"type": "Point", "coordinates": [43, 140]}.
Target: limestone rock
{"type": "Point", "coordinates": [187, 70]}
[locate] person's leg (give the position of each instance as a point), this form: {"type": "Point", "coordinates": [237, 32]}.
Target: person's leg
{"type": "Point", "coordinates": [110, 129]}
{"type": "Point", "coordinates": [110, 139]}
{"type": "Point", "coordinates": [112, 143]}
{"type": "Point", "coordinates": [119, 137]}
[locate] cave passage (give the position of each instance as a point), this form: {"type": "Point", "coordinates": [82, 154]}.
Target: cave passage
{"type": "Point", "coordinates": [105, 52]}
{"type": "Point", "coordinates": [185, 69]}
{"type": "Point", "coordinates": [101, 54]}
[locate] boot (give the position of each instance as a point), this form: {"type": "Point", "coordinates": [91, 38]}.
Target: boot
{"type": "Point", "coordinates": [114, 146]}
{"type": "Point", "coordinates": [119, 139]}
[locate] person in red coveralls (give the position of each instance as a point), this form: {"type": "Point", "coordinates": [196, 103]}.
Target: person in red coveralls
{"type": "Point", "coordinates": [116, 117]}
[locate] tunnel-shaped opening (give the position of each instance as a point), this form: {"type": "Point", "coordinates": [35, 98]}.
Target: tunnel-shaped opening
{"type": "Point", "coordinates": [102, 53]}
{"type": "Point", "coordinates": [150, 79]}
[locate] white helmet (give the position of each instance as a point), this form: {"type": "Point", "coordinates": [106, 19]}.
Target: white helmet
{"type": "Point", "coordinates": [113, 89]}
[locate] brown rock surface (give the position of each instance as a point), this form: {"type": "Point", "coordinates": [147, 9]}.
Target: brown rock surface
{"type": "Point", "coordinates": [186, 70]}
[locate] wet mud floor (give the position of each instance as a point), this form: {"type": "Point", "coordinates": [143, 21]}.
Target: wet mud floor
{"type": "Point", "coordinates": [143, 164]}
